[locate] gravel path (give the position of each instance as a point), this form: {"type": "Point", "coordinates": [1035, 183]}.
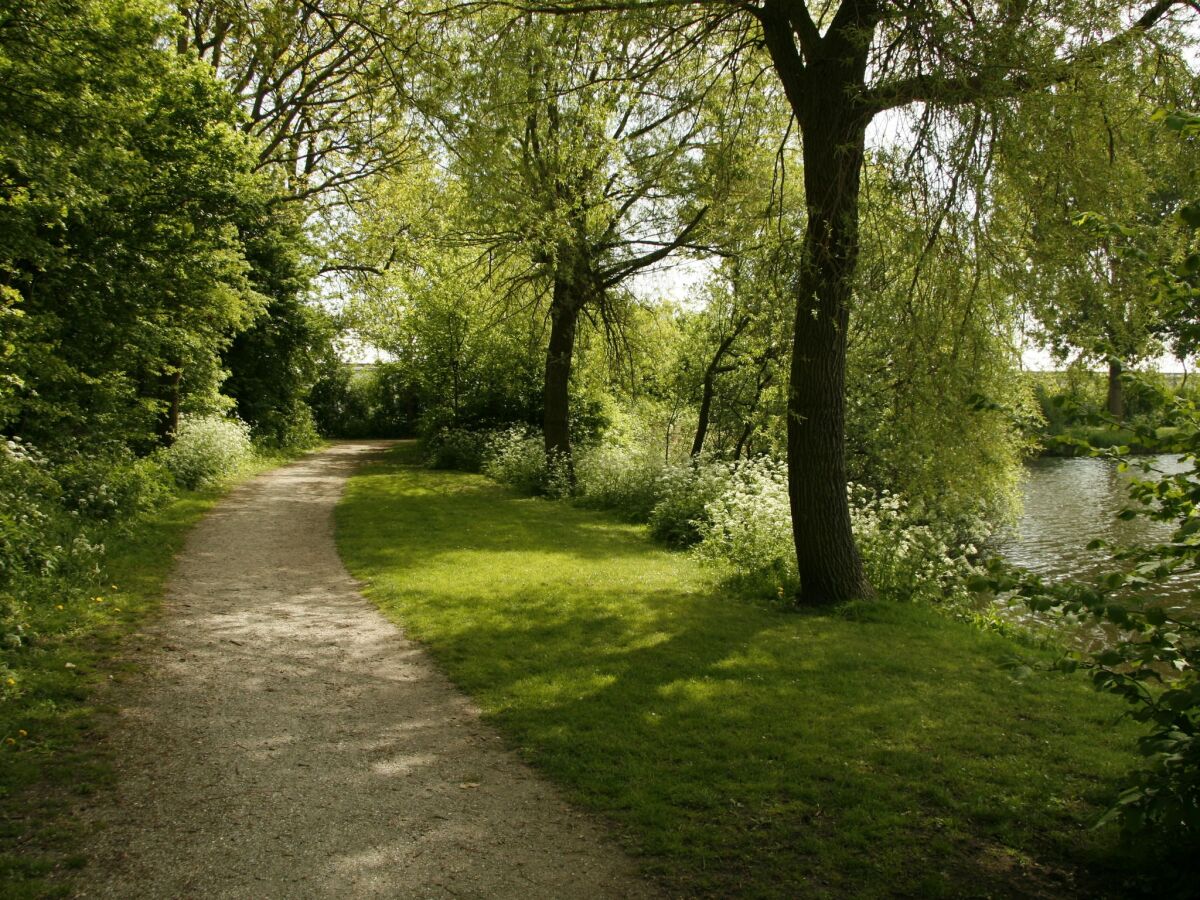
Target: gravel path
{"type": "Point", "coordinates": [288, 741]}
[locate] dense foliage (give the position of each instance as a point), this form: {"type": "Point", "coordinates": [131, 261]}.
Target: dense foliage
{"type": "Point", "coordinates": [149, 284]}
{"type": "Point", "coordinates": [208, 210]}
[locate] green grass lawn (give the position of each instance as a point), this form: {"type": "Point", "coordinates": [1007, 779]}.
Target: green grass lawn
{"type": "Point", "coordinates": [741, 749]}
{"type": "Point", "coordinates": [50, 752]}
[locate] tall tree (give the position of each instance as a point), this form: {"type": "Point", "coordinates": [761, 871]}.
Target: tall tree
{"type": "Point", "coordinates": [581, 150]}
{"type": "Point", "coordinates": [323, 84]}
{"type": "Point", "coordinates": [841, 65]}
{"type": "Point", "coordinates": [123, 182]}
{"type": "Point", "coordinates": [1086, 149]}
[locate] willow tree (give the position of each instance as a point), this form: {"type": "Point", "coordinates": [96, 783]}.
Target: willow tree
{"type": "Point", "coordinates": [1085, 150]}
{"type": "Point", "coordinates": [582, 144]}
{"type": "Point", "coordinates": [842, 65]}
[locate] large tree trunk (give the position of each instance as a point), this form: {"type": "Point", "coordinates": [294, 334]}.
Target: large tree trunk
{"type": "Point", "coordinates": [826, 93]}
{"type": "Point", "coordinates": [1115, 403]}
{"type": "Point", "coordinates": [829, 565]}
{"type": "Point", "coordinates": [834, 136]}
{"type": "Point", "coordinates": [564, 316]}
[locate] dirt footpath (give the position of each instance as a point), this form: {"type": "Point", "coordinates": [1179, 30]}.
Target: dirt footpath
{"type": "Point", "coordinates": [287, 741]}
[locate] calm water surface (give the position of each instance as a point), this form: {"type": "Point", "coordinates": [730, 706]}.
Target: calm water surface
{"type": "Point", "coordinates": [1070, 502]}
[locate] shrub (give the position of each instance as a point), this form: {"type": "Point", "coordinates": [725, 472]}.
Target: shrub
{"type": "Point", "coordinates": [290, 429]}
{"type": "Point", "coordinates": [906, 558]}
{"type": "Point", "coordinates": [207, 449]}
{"type": "Point", "coordinates": [684, 492]}
{"type": "Point", "coordinates": [454, 448]}
{"type": "Point", "coordinates": [517, 458]}
{"type": "Point", "coordinates": [621, 478]}
{"type": "Point", "coordinates": [45, 547]}
{"type": "Point", "coordinates": [748, 530]}
{"type": "Point", "coordinates": [31, 517]}
{"type": "Point", "coordinates": [114, 487]}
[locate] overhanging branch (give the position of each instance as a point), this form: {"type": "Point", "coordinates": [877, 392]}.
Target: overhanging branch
{"type": "Point", "coordinates": [956, 91]}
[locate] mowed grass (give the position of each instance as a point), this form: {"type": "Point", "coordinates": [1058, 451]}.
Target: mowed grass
{"type": "Point", "coordinates": [56, 725]}
{"type": "Point", "coordinates": [741, 749]}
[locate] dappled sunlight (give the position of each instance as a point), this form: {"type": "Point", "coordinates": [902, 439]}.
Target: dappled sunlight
{"type": "Point", "coordinates": [627, 672]}
{"type": "Point", "coordinates": [287, 713]}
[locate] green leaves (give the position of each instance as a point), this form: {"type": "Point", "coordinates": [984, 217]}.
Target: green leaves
{"type": "Point", "coordinates": [1187, 124]}
{"type": "Point", "coordinates": [129, 256]}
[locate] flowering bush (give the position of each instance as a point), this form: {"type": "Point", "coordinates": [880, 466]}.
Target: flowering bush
{"type": "Point", "coordinates": [684, 493]}
{"type": "Point", "coordinates": [620, 477]}
{"type": "Point", "coordinates": [904, 558]}
{"type": "Point", "coordinates": [114, 487]}
{"type": "Point", "coordinates": [748, 530]}
{"type": "Point", "coordinates": [207, 449]}
{"type": "Point", "coordinates": [517, 457]}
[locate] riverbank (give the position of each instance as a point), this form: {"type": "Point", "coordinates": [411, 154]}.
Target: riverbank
{"type": "Point", "coordinates": [1080, 440]}
{"type": "Point", "coordinates": [742, 749]}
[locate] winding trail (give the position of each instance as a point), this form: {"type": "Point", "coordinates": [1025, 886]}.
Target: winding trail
{"type": "Point", "coordinates": [288, 741]}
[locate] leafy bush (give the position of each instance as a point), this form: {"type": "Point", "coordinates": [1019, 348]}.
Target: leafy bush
{"type": "Point", "coordinates": [747, 529]}
{"type": "Point", "coordinates": [113, 487]}
{"type": "Point", "coordinates": [455, 448]}
{"type": "Point", "coordinates": [207, 449]}
{"type": "Point", "coordinates": [365, 402]}
{"type": "Point", "coordinates": [621, 478]}
{"type": "Point", "coordinates": [45, 548]}
{"type": "Point", "coordinates": [904, 557]}
{"type": "Point", "coordinates": [31, 521]}
{"type": "Point", "coordinates": [291, 429]}
{"type": "Point", "coordinates": [517, 457]}
{"type": "Point", "coordinates": [684, 493]}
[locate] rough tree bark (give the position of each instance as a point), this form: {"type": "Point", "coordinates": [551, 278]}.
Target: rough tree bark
{"type": "Point", "coordinates": [827, 97]}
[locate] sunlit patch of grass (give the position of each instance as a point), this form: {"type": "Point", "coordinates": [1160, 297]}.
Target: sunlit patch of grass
{"type": "Point", "coordinates": [740, 748]}
{"type": "Point", "coordinates": [54, 723]}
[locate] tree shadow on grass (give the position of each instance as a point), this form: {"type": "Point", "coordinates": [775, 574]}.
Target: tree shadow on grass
{"type": "Point", "coordinates": [748, 750]}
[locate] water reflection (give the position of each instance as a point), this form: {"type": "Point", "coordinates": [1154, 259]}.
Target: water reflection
{"type": "Point", "coordinates": [1069, 503]}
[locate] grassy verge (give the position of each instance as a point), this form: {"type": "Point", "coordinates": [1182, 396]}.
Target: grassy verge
{"type": "Point", "coordinates": [741, 749]}
{"type": "Point", "coordinates": [49, 752]}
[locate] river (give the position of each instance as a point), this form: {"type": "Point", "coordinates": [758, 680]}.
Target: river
{"type": "Point", "coordinates": [1070, 502]}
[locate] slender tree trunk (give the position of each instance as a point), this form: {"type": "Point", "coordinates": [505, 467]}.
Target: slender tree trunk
{"type": "Point", "coordinates": [1115, 404]}
{"type": "Point", "coordinates": [705, 411]}
{"type": "Point", "coordinates": [744, 441]}
{"type": "Point", "coordinates": [170, 420]}
{"type": "Point", "coordinates": [710, 377]}
{"type": "Point", "coordinates": [564, 317]}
